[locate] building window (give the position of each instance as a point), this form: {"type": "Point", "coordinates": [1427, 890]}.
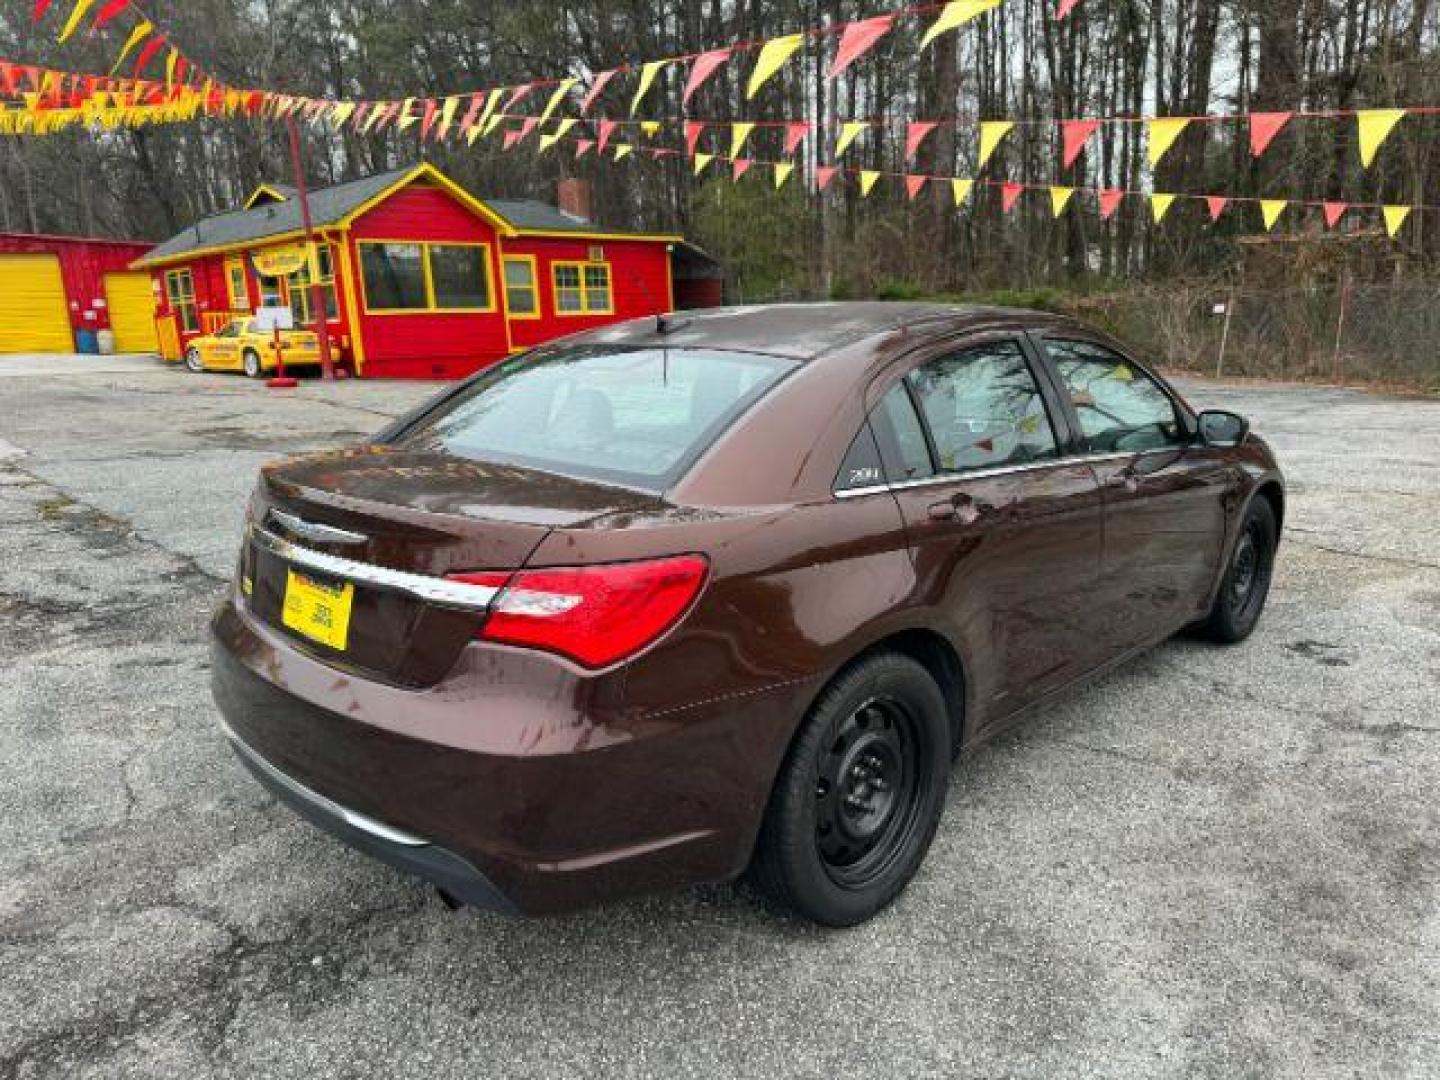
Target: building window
{"type": "Point", "coordinates": [299, 288]}
{"type": "Point", "coordinates": [272, 292]}
{"type": "Point", "coordinates": [582, 288]}
{"type": "Point", "coordinates": [459, 277]}
{"type": "Point", "coordinates": [394, 276]}
{"type": "Point", "coordinates": [235, 279]}
{"type": "Point", "coordinates": [180, 288]}
{"type": "Point", "coordinates": [425, 277]}
{"type": "Point", "coordinates": [521, 297]}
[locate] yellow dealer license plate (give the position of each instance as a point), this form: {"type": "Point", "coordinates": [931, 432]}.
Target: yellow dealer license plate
{"type": "Point", "coordinates": [320, 612]}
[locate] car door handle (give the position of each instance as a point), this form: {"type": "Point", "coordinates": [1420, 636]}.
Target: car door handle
{"type": "Point", "coordinates": [1127, 478]}
{"type": "Point", "coordinates": [960, 508]}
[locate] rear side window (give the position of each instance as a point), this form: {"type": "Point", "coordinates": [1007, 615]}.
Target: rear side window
{"type": "Point", "coordinates": [1120, 407]}
{"type": "Point", "coordinates": [984, 408]}
{"type": "Point", "coordinates": [902, 440]}
{"type": "Point", "coordinates": [636, 417]}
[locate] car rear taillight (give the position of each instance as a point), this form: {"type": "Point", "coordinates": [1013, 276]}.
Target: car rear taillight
{"type": "Point", "coordinates": [596, 615]}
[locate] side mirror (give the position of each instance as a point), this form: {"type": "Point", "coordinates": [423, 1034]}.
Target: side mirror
{"type": "Point", "coordinates": [1221, 428]}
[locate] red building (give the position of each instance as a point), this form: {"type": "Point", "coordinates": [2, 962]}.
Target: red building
{"type": "Point", "coordinates": [419, 278]}
{"type": "Point", "coordinates": [57, 289]}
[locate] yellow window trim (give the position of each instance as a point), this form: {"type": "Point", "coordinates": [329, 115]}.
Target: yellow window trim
{"type": "Point", "coordinates": [287, 287]}
{"type": "Point", "coordinates": [534, 285]}
{"type": "Point", "coordinates": [585, 308]}
{"type": "Point", "coordinates": [242, 301]}
{"type": "Point", "coordinates": [430, 308]}
{"type": "Point", "coordinates": [347, 297]}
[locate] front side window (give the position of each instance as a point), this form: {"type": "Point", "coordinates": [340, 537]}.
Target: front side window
{"type": "Point", "coordinates": [394, 277]}
{"type": "Point", "coordinates": [180, 289]}
{"type": "Point", "coordinates": [521, 297]}
{"type": "Point", "coordinates": [984, 408]}
{"type": "Point", "coordinates": [582, 288]}
{"type": "Point", "coordinates": [630, 416]}
{"type": "Point", "coordinates": [1120, 407]}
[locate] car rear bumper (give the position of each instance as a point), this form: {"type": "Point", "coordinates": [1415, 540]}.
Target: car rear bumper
{"type": "Point", "coordinates": [508, 791]}
{"type": "Point", "coordinates": [394, 847]}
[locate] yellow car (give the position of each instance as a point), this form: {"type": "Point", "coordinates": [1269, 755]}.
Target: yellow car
{"type": "Point", "coordinates": [243, 346]}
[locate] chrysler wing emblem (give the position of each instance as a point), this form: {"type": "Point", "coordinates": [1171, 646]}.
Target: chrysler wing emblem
{"type": "Point", "coordinates": [314, 531]}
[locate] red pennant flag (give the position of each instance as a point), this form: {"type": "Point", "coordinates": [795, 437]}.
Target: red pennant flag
{"type": "Point", "coordinates": [7, 77]}
{"type": "Point", "coordinates": [595, 88]}
{"type": "Point", "coordinates": [914, 184]}
{"type": "Point", "coordinates": [703, 66]}
{"type": "Point", "coordinates": [858, 39]}
{"type": "Point", "coordinates": [153, 46]}
{"type": "Point", "coordinates": [528, 125]}
{"type": "Point", "coordinates": [1109, 201]}
{"type": "Point", "coordinates": [1216, 205]}
{"type": "Point", "coordinates": [357, 118]}
{"type": "Point", "coordinates": [512, 136]}
{"type": "Point", "coordinates": [1334, 211]}
{"type": "Point", "coordinates": [795, 132]}
{"type": "Point", "coordinates": [693, 130]}
{"type": "Point", "coordinates": [823, 175]}
{"type": "Point", "coordinates": [427, 121]}
{"type": "Point", "coordinates": [915, 135]}
{"type": "Point", "coordinates": [1066, 6]}
{"type": "Point", "coordinates": [181, 66]}
{"type": "Point", "coordinates": [109, 11]}
{"type": "Point", "coordinates": [607, 128]}
{"type": "Point", "coordinates": [1263, 128]}
{"type": "Point", "coordinates": [739, 167]}
{"type": "Point", "coordinates": [1074, 133]}
{"type": "Point", "coordinates": [582, 147]}
{"type": "Point", "coordinates": [517, 95]}
{"type": "Point", "coordinates": [41, 6]}
{"type": "Point", "coordinates": [477, 101]}
{"type": "Point", "coordinates": [1009, 193]}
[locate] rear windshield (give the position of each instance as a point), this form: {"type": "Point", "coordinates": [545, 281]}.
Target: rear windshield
{"type": "Point", "coordinates": [637, 417]}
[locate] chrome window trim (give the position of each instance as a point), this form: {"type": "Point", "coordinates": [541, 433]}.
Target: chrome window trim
{"type": "Point", "coordinates": [330, 806]}
{"type": "Point", "coordinates": [420, 586]}
{"type": "Point", "coordinates": [959, 476]}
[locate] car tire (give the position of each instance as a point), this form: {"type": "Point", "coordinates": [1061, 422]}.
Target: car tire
{"type": "Point", "coordinates": [1246, 583]}
{"type": "Point", "coordinates": [859, 794]}
{"type": "Point", "coordinates": [251, 362]}
{"type": "Point", "coordinates": [193, 362]}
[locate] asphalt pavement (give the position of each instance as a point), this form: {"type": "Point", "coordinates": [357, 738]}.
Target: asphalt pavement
{"type": "Point", "coordinates": [1214, 862]}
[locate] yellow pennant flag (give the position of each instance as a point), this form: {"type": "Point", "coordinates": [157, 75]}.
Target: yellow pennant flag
{"type": "Point", "coordinates": [1375, 127]}
{"type": "Point", "coordinates": [649, 128]}
{"type": "Point", "coordinates": [447, 116]}
{"type": "Point", "coordinates": [1160, 206]}
{"type": "Point", "coordinates": [991, 132]}
{"type": "Point", "coordinates": [783, 169]}
{"type": "Point", "coordinates": [867, 180]}
{"type": "Point", "coordinates": [956, 14]}
{"type": "Point", "coordinates": [73, 22]}
{"type": "Point", "coordinates": [849, 131]}
{"type": "Point", "coordinates": [772, 56]}
{"type": "Point", "coordinates": [959, 190]}
{"type": "Point", "coordinates": [547, 141]}
{"type": "Point", "coordinates": [647, 79]}
{"type": "Point", "coordinates": [1163, 131]}
{"type": "Point", "coordinates": [622, 151]}
{"type": "Point", "coordinates": [1059, 197]}
{"type": "Point", "coordinates": [406, 119]}
{"type": "Point", "coordinates": [701, 160]}
{"type": "Point", "coordinates": [738, 134]}
{"type": "Point", "coordinates": [170, 62]}
{"type": "Point", "coordinates": [563, 127]}
{"type": "Point", "coordinates": [493, 123]}
{"type": "Point", "coordinates": [1270, 210]}
{"type": "Point", "coordinates": [341, 112]}
{"type": "Point", "coordinates": [557, 97]}
{"type": "Point", "coordinates": [1395, 217]}
{"type": "Point", "coordinates": [139, 34]}
{"type": "Point", "coordinates": [488, 112]}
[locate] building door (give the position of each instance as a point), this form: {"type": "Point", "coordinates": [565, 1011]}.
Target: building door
{"type": "Point", "coordinates": [33, 315]}
{"type": "Point", "coordinates": [132, 312]}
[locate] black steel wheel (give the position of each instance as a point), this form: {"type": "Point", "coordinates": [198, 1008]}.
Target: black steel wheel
{"type": "Point", "coordinates": [859, 795]}
{"type": "Point", "coordinates": [1246, 583]}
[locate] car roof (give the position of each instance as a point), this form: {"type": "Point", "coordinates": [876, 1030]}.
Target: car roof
{"type": "Point", "coordinates": [807, 331]}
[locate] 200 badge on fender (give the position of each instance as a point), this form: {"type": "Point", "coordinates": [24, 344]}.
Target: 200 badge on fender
{"type": "Point", "coordinates": [684, 597]}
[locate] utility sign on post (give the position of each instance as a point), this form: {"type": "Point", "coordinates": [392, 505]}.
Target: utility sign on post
{"type": "Point", "coordinates": [281, 261]}
{"type": "Point", "coordinates": [274, 318]}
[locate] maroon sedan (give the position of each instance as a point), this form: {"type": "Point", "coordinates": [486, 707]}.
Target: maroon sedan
{"type": "Point", "coordinates": [727, 590]}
